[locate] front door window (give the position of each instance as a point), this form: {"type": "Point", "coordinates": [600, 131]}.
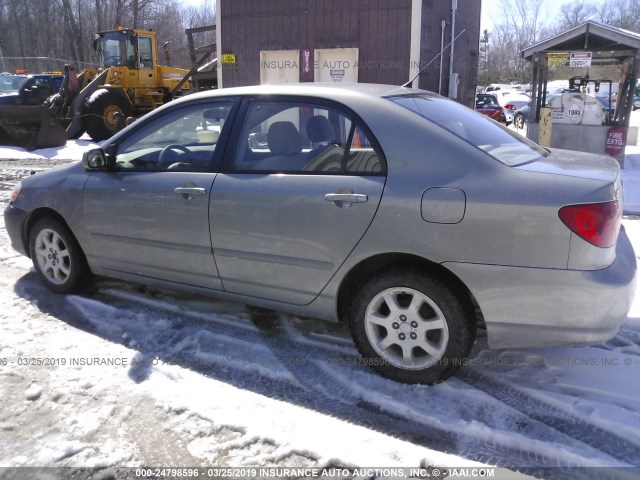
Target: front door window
{"type": "Point", "coordinates": [146, 53]}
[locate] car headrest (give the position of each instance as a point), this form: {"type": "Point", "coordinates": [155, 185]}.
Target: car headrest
{"type": "Point", "coordinates": [319, 129]}
{"type": "Point", "coordinates": [283, 138]}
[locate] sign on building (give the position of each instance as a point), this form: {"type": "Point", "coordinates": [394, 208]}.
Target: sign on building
{"type": "Point", "coordinates": [580, 59]}
{"type": "Point", "coordinates": [615, 141]}
{"type": "Point", "coordinates": [557, 59]}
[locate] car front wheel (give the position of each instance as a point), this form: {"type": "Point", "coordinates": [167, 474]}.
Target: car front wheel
{"type": "Point", "coordinates": [57, 257]}
{"type": "Point", "coordinates": [411, 327]}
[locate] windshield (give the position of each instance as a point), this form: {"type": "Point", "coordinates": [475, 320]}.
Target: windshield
{"type": "Point", "coordinates": [501, 143]}
{"type": "Point", "coordinates": [115, 49]}
{"type": "Point", "coordinates": [12, 83]}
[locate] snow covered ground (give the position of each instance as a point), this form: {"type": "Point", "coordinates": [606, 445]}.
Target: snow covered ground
{"type": "Point", "coordinates": [128, 376]}
{"type": "Point", "coordinates": [631, 179]}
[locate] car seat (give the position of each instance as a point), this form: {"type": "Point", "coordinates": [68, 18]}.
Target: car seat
{"type": "Point", "coordinates": [285, 143]}
{"type": "Point", "coordinates": [327, 156]}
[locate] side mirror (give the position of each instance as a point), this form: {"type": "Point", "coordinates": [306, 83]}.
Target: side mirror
{"type": "Point", "coordinates": [95, 159]}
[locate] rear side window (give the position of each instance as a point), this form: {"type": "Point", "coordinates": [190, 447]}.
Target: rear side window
{"type": "Point", "coordinates": [300, 137]}
{"type": "Point", "coordinates": [501, 143]}
{"type": "Point", "coordinates": [487, 99]}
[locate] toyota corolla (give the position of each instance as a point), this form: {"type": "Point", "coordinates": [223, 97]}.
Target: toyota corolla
{"type": "Point", "coordinates": [410, 217]}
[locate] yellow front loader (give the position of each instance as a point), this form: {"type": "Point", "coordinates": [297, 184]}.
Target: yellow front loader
{"type": "Point", "coordinates": [128, 82]}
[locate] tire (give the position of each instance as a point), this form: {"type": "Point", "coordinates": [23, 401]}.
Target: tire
{"type": "Point", "coordinates": [396, 341]}
{"type": "Point", "coordinates": [57, 257]}
{"type": "Point", "coordinates": [518, 121]}
{"type": "Point", "coordinates": [106, 113]}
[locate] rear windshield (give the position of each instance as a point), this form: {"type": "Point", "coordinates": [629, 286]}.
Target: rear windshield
{"type": "Point", "coordinates": [483, 133]}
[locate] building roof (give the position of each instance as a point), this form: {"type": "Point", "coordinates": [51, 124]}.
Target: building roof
{"type": "Point", "coordinates": [589, 35]}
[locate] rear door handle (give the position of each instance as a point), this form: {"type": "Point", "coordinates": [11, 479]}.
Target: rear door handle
{"type": "Point", "coordinates": [189, 192]}
{"type": "Point", "coordinates": [345, 199]}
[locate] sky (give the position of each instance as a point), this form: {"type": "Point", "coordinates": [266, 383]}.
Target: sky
{"type": "Point", "coordinates": [491, 7]}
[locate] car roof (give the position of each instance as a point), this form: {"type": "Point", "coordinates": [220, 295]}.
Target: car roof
{"type": "Point", "coordinates": [515, 96]}
{"type": "Point", "coordinates": [33, 75]}
{"type": "Point", "coordinates": [326, 90]}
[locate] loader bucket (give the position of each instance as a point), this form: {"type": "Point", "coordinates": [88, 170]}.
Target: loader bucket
{"type": "Point", "coordinates": [30, 127]}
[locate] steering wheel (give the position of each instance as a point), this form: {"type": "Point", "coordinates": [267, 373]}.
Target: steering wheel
{"type": "Point", "coordinates": [168, 156]}
{"type": "Point", "coordinates": [114, 60]}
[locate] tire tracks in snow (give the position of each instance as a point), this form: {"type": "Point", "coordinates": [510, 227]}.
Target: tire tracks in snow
{"type": "Point", "coordinates": [374, 409]}
{"type": "Point", "coordinates": [554, 417]}
{"type": "Point", "coordinates": [315, 383]}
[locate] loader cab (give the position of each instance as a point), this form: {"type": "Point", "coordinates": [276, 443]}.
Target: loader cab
{"type": "Point", "coordinates": [125, 48]}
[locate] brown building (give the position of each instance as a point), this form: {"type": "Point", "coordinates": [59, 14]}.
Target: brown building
{"type": "Point", "coordinates": [376, 41]}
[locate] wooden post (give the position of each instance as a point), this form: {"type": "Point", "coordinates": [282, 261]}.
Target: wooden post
{"type": "Point", "coordinates": [545, 127]}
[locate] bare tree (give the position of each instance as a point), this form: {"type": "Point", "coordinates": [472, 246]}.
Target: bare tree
{"type": "Point", "coordinates": [520, 24]}
{"type": "Point", "coordinates": [72, 28]}
{"type": "Point", "coordinates": [575, 13]}
{"type": "Point", "coordinates": [119, 12]}
{"type": "Point", "coordinates": [621, 13]}
{"type": "Point", "coordinates": [99, 15]}
{"type": "Point", "coordinates": [484, 68]}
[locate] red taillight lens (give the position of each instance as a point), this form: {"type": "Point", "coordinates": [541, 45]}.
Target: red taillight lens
{"type": "Point", "coordinates": [510, 107]}
{"type": "Point", "coordinates": [597, 223]}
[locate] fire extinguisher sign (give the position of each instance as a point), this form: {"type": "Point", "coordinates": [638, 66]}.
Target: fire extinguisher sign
{"type": "Point", "coordinates": [615, 141]}
{"type": "Point", "coordinates": [580, 59]}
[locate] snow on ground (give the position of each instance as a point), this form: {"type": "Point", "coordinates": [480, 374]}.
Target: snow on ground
{"type": "Point", "coordinates": [631, 179]}
{"type": "Point", "coordinates": [72, 150]}
{"type": "Point", "coordinates": [128, 376]}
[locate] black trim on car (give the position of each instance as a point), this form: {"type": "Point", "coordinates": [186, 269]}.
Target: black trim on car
{"type": "Point", "coordinates": [216, 162]}
{"type": "Point", "coordinates": [233, 143]}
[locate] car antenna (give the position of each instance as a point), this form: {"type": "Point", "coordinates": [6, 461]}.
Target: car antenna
{"type": "Point", "coordinates": [408, 84]}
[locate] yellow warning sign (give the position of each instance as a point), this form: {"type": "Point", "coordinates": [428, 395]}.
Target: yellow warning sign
{"type": "Point", "coordinates": [557, 59]}
{"type": "Point", "coordinates": [229, 58]}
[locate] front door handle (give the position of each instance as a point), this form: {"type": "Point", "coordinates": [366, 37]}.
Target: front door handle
{"type": "Point", "coordinates": [345, 199]}
{"type": "Point", "coordinates": [189, 192]}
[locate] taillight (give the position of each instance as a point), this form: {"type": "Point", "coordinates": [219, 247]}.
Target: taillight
{"type": "Point", "coordinates": [597, 223]}
{"type": "Point", "coordinates": [510, 106]}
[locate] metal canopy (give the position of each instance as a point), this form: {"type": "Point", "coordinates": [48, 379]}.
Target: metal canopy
{"type": "Point", "coordinates": [599, 42]}
{"type": "Point", "coordinates": [589, 36]}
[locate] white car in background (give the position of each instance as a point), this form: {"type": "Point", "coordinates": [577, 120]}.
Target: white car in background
{"type": "Point", "coordinates": [510, 101]}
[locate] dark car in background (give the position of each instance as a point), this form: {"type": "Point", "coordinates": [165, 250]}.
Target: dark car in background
{"type": "Point", "coordinates": [28, 89]}
{"type": "Point", "coordinates": [521, 115]}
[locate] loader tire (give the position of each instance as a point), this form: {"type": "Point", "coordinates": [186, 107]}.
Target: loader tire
{"type": "Point", "coordinates": [106, 113]}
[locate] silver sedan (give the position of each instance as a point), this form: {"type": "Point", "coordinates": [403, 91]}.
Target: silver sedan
{"type": "Point", "coordinates": [410, 217]}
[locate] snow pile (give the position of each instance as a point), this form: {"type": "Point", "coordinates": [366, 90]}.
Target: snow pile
{"type": "Point", "coordinates": [73, 150]}
{"type": "Point", "coordinates": [631, 180]}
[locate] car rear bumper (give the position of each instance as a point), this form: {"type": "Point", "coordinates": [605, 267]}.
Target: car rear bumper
{"type": "Point", "coordinates": [508, 115]}
{"type": "Point", "coordinates": [532, 307]}
{"type": "Point", "coordinates": [14, 219]}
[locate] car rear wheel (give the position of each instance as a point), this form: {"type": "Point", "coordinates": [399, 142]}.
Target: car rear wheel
{"type": "Point", "coordinates": [57, 257]}
{"type": "Point", "coordinates": [518, 121]}
{"type": "Point", "coordinates": [411, 327]}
